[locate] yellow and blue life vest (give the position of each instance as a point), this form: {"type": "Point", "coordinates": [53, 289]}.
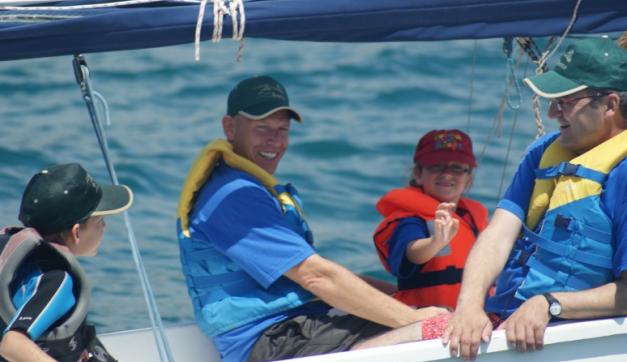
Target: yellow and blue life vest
{"type": "Point", "coordinates": [223, 295]}
{"type": "Point", "coordinates": [567, 242]}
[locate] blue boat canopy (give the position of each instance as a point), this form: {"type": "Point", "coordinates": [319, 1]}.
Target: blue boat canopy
{"type": "Point", "coordinates": [57, 30]}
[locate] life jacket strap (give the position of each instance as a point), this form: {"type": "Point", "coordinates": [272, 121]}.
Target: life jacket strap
{"type": "Point", "coordinates": [568, 251]}
{"type": "Point", "coordinates": [570, 169]}
{"type": "Point", "coordinates": [450, 275]}
{"type": "Point", "coordinates": [220, 286]}
{"type": "Point", "coordinates": [567, 279]}
{"type": "Point", "coordinates": [567, 223]}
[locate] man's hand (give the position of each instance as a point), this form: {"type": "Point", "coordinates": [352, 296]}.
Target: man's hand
{"type": "Point", "coordinates": [525, 328]}
{"type": "Point", "coordinates": [430, 312]}
{"type": "Point", "coordinates": [444, 224]}
{"type": "Point", "coordinates": [466, 329]}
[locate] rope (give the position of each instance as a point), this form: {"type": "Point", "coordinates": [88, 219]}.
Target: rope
{"type": "Point", "coordinates": [81, 71]}
{"type": "Point", "coordinates": [497, 123]}
{"type": "Point", "coordinates": [201, 16]}
{"type": "Point", "coordinates": [105, 107]}
{"type": "Point", "coordinates": [235, 10]}
{"type": "Point", "coordinates": [541, 69]}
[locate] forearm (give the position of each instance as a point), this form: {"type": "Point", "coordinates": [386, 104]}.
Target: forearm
{"type": "Point", "coordinates": [341, 289]}
{"type": "Point", "coordinates": [380, 285]}
{"type": "Point", "coordinates": [421, 251]}
{"type": "Point", "coordinates": [487, 258]}
{"type": "Point", "coordinates": [605, 301]}
{"type": "Point", "coordinates": [17, 347]}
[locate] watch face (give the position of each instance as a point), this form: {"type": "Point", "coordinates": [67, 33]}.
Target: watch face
{"type": "Point", "coordinates": [555, 309]}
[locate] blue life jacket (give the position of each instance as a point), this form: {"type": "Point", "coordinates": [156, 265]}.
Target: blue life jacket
{"type": "Point", "coordinates": [223, 295]}
{"type": "Point", "coordinates": [570, 247]}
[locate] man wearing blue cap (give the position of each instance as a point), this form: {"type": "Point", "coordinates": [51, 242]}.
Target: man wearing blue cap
{"type": "Point", "coordinates": [558, 238]}
{"type": "Point", "coordinates": [257, 285]}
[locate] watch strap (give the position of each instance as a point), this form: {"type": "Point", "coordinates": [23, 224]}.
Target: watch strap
{"type": "Point", "coordinates": [551, 300]}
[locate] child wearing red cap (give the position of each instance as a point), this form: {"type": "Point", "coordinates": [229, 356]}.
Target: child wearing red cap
{"type": "Point", "coordinates": [429, 227]}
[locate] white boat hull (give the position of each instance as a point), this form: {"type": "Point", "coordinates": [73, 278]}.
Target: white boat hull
{"type": "Point", "coordinates": [597, 340]}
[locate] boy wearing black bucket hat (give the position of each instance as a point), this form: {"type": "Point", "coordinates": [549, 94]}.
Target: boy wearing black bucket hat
{"type": "Point", "coordinates": [43, 291]}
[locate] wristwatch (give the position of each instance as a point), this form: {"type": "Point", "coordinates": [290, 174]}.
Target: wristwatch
{"type": "Point", "coordinates": [555, 308]}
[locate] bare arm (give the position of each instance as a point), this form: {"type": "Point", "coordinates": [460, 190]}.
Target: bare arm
{"type": "Point", "coordinates": [17, 347]}
{"type": "Point", "coordinates": [487, 258]}
{"type": "Point", "coordinates": [607, 300]}
{"type": "Point", "coordinates": [525, 328]}
{"type": "Point", "coordinates": [340, 288]}
{"type": "Point", "coordinates": [470, 324]}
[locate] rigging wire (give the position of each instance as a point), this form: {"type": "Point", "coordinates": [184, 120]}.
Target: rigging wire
{"type": "Point", "coordinates": [511, 133]}
{"type": "Point", "coordinates": [472, 85]}
{"type": "Point", "coordinates": [511, 77]}
{"type": "Point", "coordinates": [81, 71]}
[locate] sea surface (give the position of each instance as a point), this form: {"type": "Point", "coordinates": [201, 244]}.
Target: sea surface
{"type": "Point", "coordinates": [364, 105]}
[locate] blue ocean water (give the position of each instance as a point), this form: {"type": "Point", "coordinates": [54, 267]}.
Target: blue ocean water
{"type": "Point", "coordinates": [365, 106]}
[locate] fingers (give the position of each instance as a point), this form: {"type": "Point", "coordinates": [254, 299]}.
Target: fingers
{"type": "Point", "coordinates": [451, 337]}
{"type": "Point", "coordinates": [486, 333]}
{"type": "Point", "coordinates": [525, 337]}
{"type": "Point", "coordinates": [521, 336]}
{"type": "Point", "coordinates": [445, 226]}
{"type": "Point", "coordinates": [470, 347]}
{"type": "Point", "coordinates": [539, 338]}
{"type": "Point", "coordinates": [464, 337]}
{"type": "Point", "coordinates": [454, 226]}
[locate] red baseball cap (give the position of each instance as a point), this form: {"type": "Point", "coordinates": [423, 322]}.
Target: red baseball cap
{"type": "Point", "coordinates": [443, 146]}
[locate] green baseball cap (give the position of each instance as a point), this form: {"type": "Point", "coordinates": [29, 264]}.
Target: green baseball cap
{"type": "Point", "coordinates": [259, 97]}
{"type": "Point", "coordinates": [598, 63]}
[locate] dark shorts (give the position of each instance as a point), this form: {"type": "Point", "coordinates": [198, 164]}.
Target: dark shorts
{"type": "Point", "coordinates": [303, 336]}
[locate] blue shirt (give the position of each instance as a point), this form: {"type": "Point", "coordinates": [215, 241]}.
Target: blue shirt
{"type": "Point", "coordinates": [248, 227]}
{"type": "Point", "coordinates": [516, 201]}
{"type": "Point", "coordinates": [407, 230]}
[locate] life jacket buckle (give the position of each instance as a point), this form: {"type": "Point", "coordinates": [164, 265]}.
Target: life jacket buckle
{"type": "Point", "coordinates": [568, 169]}
{"type": "Point", "coordinates": [562, 221]}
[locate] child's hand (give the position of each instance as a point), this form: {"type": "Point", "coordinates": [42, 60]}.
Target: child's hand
{"type": "Point", "coordinates": [445, 226]}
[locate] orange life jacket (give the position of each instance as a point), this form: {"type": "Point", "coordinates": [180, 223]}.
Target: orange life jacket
{"type": "Point", "coordinates": [439, 280]}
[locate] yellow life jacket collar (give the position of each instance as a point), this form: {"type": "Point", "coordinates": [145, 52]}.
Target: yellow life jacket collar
{"type": "Point", "coordinates": [202, 168]}
{"type": "Point", "coordinates": [550, 194]}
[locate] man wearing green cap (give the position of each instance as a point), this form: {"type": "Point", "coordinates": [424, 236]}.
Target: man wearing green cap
{"type": "Point", "coordinates": [558, 238]}
{"type": "Point", "coordinates": [257, 285]}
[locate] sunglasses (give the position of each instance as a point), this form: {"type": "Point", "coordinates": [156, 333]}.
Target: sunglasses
{"type": "Point", "coordinates": [562, 103]}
